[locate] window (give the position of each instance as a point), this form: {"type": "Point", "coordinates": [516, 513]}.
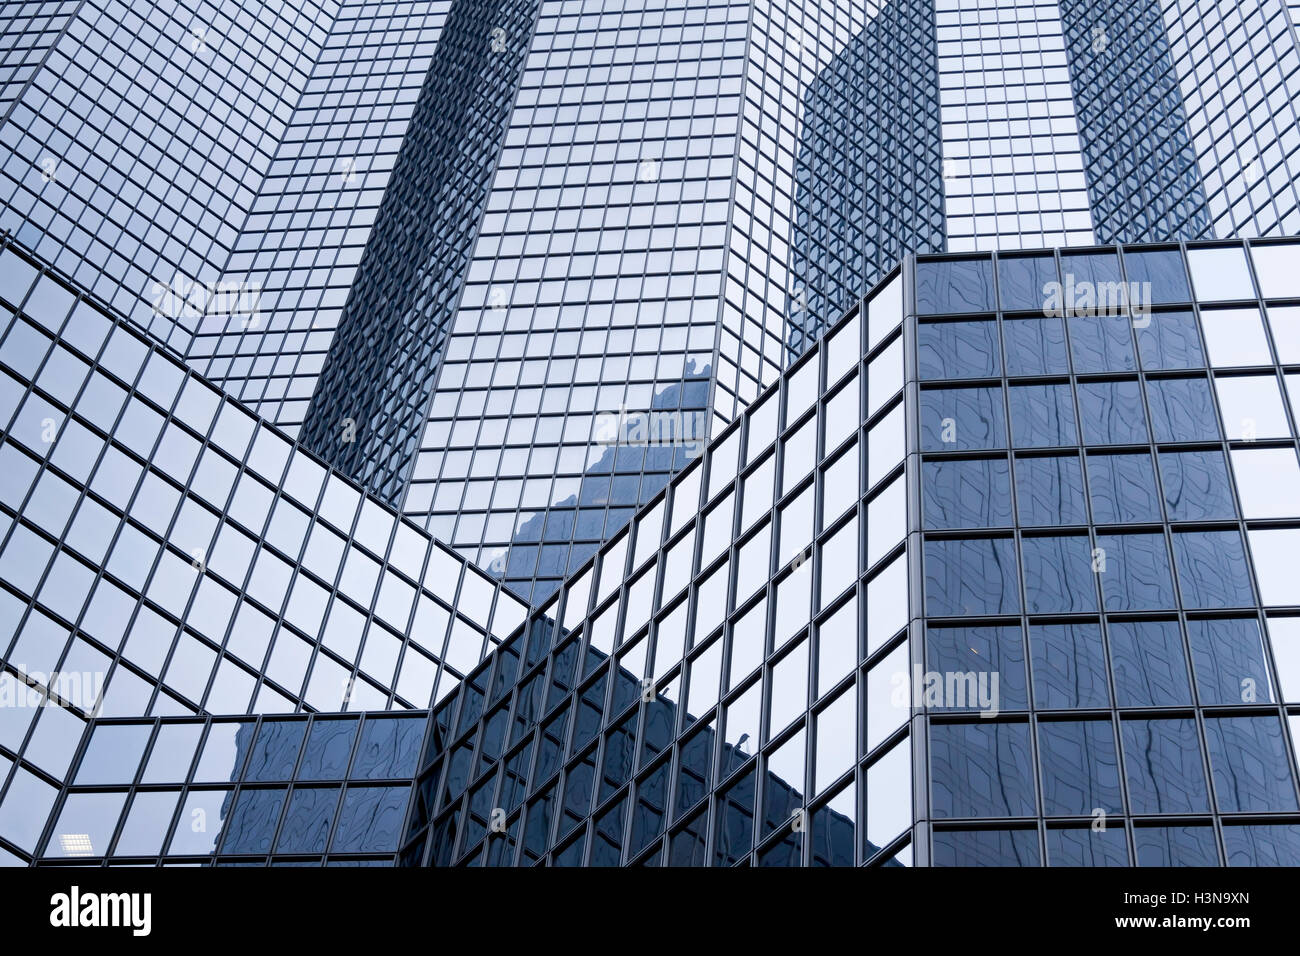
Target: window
{"type": "Point", "coordinates": [971, 576]}
{"type": "Point", "coordinates": [1274, 551]}
{"type": "Point", "coordinates": [1268, 481]}
{"type": "Point", "coordinates": [955, 419]}
{"type": "Point", "coordinates": [1252, 407]}
{"type": "Point", "coordinates": [1235, 337]}
{"type": "Point", "coordinates": [1212, 569]}
{"type": "Point", "coordinates": [1220, 274]}
{"type": "Point", "coordinates": [1042, 415]}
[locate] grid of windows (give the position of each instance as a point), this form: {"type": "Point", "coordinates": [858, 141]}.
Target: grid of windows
{"type": "Point", "coordinates": [1107, 493]}
{"type": "Point", "coordinates": [135, 151]}
{"type": "Point", "coordinates": [1013, 174]}
{"type": "Point", "coordinates": [1239, 68]}
{"type": "Point", "coordinates": [330, 789]}
{"type": "Point", "coordinates": [1143, 179]}
{"type": "Point", "coordinates": [1098, 656]}
{"type": "Point", "coordinates": [637, 210]}
{"type": "Point", "coordinates": [722, 673]}
{"type": "Point", "coordinates": [593, 285]}
{"type": "Point", "coordinates": [1023, 522]}
{"type": "Point", "coordinates": [868, 175]}
{"type": "Point", "coordinates": [310, 221]}
{"type": "Point", "coordinates": [789, 47]}
{"type": "Point", "coordinates": [164, 552]}
{"type": "Point", "coordinates": [945, 544]}
{"type": "Point", "coordinates": [371, 402]}
{"type": "Point", "coordinates": [643, 192]}
{"type": "Point", "coordinates": [28, 28]}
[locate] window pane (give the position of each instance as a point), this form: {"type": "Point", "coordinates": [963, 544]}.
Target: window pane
{"type": "Point", "coordinates": [966, 494]}
{"type": "Point", "coordinates": [975, 576]}
{"type": "Point", "coordinates": [1049, 491]}
{"type": "Point", "coordinates": [961, 418]}
{"type": "Point", "coordinates": [981, 770]}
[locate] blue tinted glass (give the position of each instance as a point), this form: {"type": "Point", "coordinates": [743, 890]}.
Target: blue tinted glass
{"type": "Point", "coordinates": [989, 654]}
{"type": "Point", "coordinates": [1212, 569]}
{"type": "Point", "coordinates": [1134, 571]}
{"type": "Point", "coordinates": [1042, 416]}
{"type": "Point", "coordinates": [957, 349]}
{"type": "Point", "coordinates": [1101, 343]}
{"type": "Point", "coordinates": [986, 848]}
{"type": "Point", "coordinates": [328, 749]}
{"type": "Point", "coordinates": [1249, 762]}
{"type": "Point", "coordinates": [1080, 768]}
{"type": "Point", "coordinates": [1112, 413]}
{"type": "Point", "coordinates": [1087, 847]}
{"type": "Point", "coordinates": [1163, 270]}
{"type": "Point", "coordinates": [971, 577]}
{"type": "Point", "coordinates": [1069, 666]}
{"type": "Point", "coordinates": [1095, 269]}
{"type": "Point", "coordinates": [389, 746]}
{"type": "Point", "coordinates": [371, 820]}
{"type": "Point", "coordinates": [1148, 664]}
{"type": "Point", "coordinates": [1275, 844]}
{"type": "Point", "coordinates": [113, 754]}
{"type": "Point", "coordinates": [1169, 340]}
{"type": "Point", "coordinates": [832, 839]}
{"type": "Point", "coordinates": [1175, 846]}
{"type": "Point", "coordinates": [1228, 659]}
{"type": "Point", "coordinates": [967, 493]}
{"type": "Point", "coordinates": [1196, 485]}
{"type": "Point", "coordinates": [1123, 489]}
{"type": "Point", "coordinates": [1036, 346]}
{"type": "Point", "coordinates": [147, 823]}
{"type": "Point", "coordinates": [172, 753]}
{"type": "Point", "coordinates": [1162, 759]}
{"type": "Point", "coordinates": [964, 285]}
{"type": "Point", "coordinates": [252, 824]}
{"type": "Point", "coordinates": [1058, 574]}
{"type": "Point", "coordinates": [307, 824]}
{"type": "Point", "coordinates": [961, 418]}
{"type": "Point", "coordinates": [1182, 409]}
{"type": "Point", "coordinates": [25, 809]}
{"type": "Point", "coordinates": [276, 751]}
{"type": "Point", "coordinates": [981, 770]}
{"type": "Point", "coordinates": [1021, 280]}
{"type": "Point", "coordinates": [1050, 491]}
{"type": "Point", "coordinates": [227, 745]}
{"type": "Point", "coordinates": [86, 823]}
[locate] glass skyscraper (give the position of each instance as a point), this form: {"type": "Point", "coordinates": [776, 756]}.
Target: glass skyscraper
{"type": "Point", "coordinates": [686, 433]}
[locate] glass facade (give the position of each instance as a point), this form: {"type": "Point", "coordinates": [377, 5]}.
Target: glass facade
{"type": "Point", "coordinates": [869, 173]}
{"type": "Point", "coordinates": [367, 414]}
{"type": "Point", "coordinates": [630, 263]}
{"type": "Point", "coordinates": [605, 226]}
{"type": "Point", "coordinates": [1057, 623]}
{"type": "Point", "coordinates": [330, 789]}
{"type": "Point", "coordinates": [303, 238]}
{"type": "Point", "coordinates": [1093, 501]}
{"type": "Point", "coordinates": [227, 217]}
{"type": "Point", "coordinates": [132, 151]}
{"type": "Point", "coordinates": [1143, 179]}
{"type": "Point", "coordinates": [1013, 171]}
{"type": "Point", "coordinates": [165, 552]}
{"type": "Point", "coordinates": [1031, 547]}
{"type": "Point", "coordinates": [1239, 69]}
{"type": "Point", "coordinates": [728, 433]}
